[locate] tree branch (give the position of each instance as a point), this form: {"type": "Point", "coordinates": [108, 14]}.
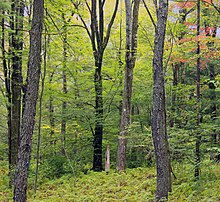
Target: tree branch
{"type": "Point", "coordinates": [151, 17]}
{"type": "Point", "coordinates": [110, 25]}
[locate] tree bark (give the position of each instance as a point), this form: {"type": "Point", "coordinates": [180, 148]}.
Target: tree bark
{"type": "Point", "coordinates": [16, 37]}
{"type": "Point", "coordinates": [28, 119]}
{"type": "Point", "coordinates": [159, 130]}
{"type": "Point", "coordinates": [130, 56]}
{"type": "Point", "coordinates": [97, 155]}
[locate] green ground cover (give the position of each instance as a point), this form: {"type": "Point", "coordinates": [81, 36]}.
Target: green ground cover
{"type": "Point", "coordinates": [135, 185]}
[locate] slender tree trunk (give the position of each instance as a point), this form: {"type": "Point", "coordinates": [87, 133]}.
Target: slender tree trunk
{"type": "Point", "coordinates": [131, 46]}
{"type": "Point", "coordinates": [16, 24]}
{"type": "Point", "coordinates": [51, 114]}
{"type": "Point", "coordinates": [7, 78]}
{"type": "Point", "coordinates": [159, 130]}
{"type": "Point", "coordinates": [40, 113]}
{"type": "Point", "coordinates": [28, 121]}
{"type": "Point", "coordinates": [64, 105]}
{"type": "Point", "coordinates": [198, 137]}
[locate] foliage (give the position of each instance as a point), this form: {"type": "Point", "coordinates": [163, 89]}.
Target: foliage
{"type": "Point", "coordinates": [135, 185]}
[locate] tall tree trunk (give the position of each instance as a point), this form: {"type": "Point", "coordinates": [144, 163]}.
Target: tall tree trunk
{"type": "Point", "coordinates": [99, 42]}
{"type": "Point", "coordinates": [159, 130]}
{"type": "Point", "coordinates": [97, 154]}
{"type": "Point", "coordinates": [131, 46]}
{"type": "Point", "coordinates": [7, 78]}
{"type": "Point", "coordinates": [198, 137]}
{"type": "Point", "coordinates": [16, 24]}
{"type": "Point", "coordinates": [28, 121]}
{"type": "Point", "coordinates": [64, 105]}
{"type": "Point", "coordinates": [40, 112]}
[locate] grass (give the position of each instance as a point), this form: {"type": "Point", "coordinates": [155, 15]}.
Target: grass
{"type": "Point", "coordinates": [134, 185]}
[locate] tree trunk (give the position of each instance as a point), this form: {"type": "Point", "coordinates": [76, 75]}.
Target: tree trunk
{"type": "Point", "coordinates": [107, 159]}
{"type": "Point", "coordinates": [28, 121]}
{"type": "Point", "coordinates": [64, 105]}
{"type": "Point", "coordinates": [40, 113]}
{"type": "Point", "coordinates": [131, 46]}
{"type": "Point", "coordinates": [51, 114]}
{"type": "Point", "coordinates": [159, 130]}
{"type": "Point", "coordinates": [97, 155]}
{"type": "Point", "coordinates": [16, 24]}
{"type": "Point", "coordinates": [7, 78]}
{"type": "Point", "coordinates": [198, 137]}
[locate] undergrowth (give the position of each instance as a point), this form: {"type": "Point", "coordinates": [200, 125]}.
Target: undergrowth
{"type": "Point", "coordinates": [137, 184]}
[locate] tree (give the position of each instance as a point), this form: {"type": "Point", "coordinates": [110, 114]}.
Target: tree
{"type": "Point", "coordinates": [159, 130]}
{"type": "Point", "coordinates": [99, 43]}
{"type": "Point", "coordinates": [130, 57]}
{"type": "Point", "coordinates": [33, 77]}
{"type": "Point", "coordinates": [16, 47]}
{"type": "Point", "coordinates": [64, 104]}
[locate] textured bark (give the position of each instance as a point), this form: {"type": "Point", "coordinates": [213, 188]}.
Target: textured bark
{"type": "Point", "coordinates": [28, 119]}
{"type": "Point", "coordinates": [16, 37]}
{"type": "Point", "coordinates": [97, 155]}
{"type": "Point", "coordinates": [130, 57]}
{"type": "Point", "coordinates": [159, 131]}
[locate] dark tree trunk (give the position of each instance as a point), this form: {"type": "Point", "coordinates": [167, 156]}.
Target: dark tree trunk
{"type": "Point", "coordinates": [28, 119]}
{"type": "Point", "coordinates": [99, 43]}
{"type": "Point", "coordinates": [198, 135]}
{"type": "Point", "coordinates": [131, 46]}
{"type": "Point", "coordinates": [64, 105]}
{"type": "Point", "coordinates": [97, 155]}
{"type": "Point", "coordinates": [159, 130]}
{"type": "Point", "coordinates": [16, 24]}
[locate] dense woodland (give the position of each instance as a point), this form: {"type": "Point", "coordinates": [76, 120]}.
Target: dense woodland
{"type": "Point", "coordinates": [110, 100]}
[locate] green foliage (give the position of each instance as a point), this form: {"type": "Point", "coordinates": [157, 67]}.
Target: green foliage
{"type": "Point", "coordinates": [135, 185]}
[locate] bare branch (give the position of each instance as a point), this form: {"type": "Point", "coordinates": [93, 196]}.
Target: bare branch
{"type": "Point", "coordinates": [87, 5]}
{"type": "Point", "coordinates": [110, 25]}
{"type": "Point", "coordinates": [82, 20]}
{"type": "Point", "coordinates": [149, 13]}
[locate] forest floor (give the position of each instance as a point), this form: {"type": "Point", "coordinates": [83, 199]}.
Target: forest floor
{"type": "Point", "coordinates": [136, 185]}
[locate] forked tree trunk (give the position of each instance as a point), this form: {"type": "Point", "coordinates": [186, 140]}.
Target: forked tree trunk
{"type": "Point", "coordinates": [28, 121]}
{"type": "Point", "coordinates": [99, 39]}
{"type": "Point", "coordinates": [159, 130]}
{"type": "Point", "coordinates": [131, 46]}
